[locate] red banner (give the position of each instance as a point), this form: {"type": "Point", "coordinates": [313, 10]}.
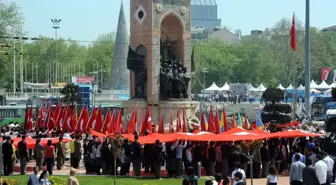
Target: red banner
{"type": "Point", "coordinates": [84, 79]}
{"type": "Point", "coordinates": [325, 72]}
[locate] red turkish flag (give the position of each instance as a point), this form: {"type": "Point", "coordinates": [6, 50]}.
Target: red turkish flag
{"type": "Point", "coordinates": [293, 34]}
{"type": "Point", "coordinates": [161, 126]}
{"type": "Point", "coordinates": [118, 124]}
{"type": "Point", "coordinates": [325, 72]}
{"type": "Point", "coordinates": [171, 129]}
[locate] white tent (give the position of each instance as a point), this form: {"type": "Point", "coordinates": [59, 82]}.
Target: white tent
{"type": "Point", "coordinates": [332, 85]}
{"type": "Point", "coordinates": [251, 88]}
{"type": "Point", "coordinates": [261, 88]}
{"type": "Point", "coordinates": [290, 87]}
{"type": "Point", "coordinates": [313, 85]}
{"type": "Point", "coordinates": [280, 87]}
{"type": "Point", "coordinates": [315, 91]}
{"type": "Point", "coordinates": [300, 88]}
{"type": "Point", "coordinates": [225, 87]}
{"type": "Point", "coordinates": [324, 85]}
{"type": "Point", "coordinates": [213, 87]}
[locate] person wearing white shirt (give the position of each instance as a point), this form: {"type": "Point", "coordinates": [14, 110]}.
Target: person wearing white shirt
{"type": "Point", "coordinates": [330, 165]}
{"type": "Point", "coordinates": [321, 169]}
{"type": "Point", "coordinates": [238, 169]}
{"type": "Point", "coordinates": [272, 178]}
{"type": "Point", "coordinates": [295, 172]}
{"type": "Point", "coordinates": [34, 177]}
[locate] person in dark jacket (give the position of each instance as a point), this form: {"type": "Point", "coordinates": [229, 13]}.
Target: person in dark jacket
{"type": "Point", "coordinates": [170, 160]}
{"type": "Point", "coordinates": [7, 153]}
{"type": "Point", "coordinates": [60, 153]}
{"type": "Point", "coordinates": [127, 158]}
{"type": "Point", "coordinates": [23, 154]}
{"type": "Point", "coordinates": [136, 155]}
{"type": "Point", "coordinates": [77, 152]}
{"type": "Point", "coordinates": [212, 159]}
{"type": "Point", "coordinates": [225, 158]}
{"type": "Point", "coordinates": [265, 159]}
{"type": "Point", "coordinates": [157, 157]}
{"type": "Point", "coordinates": [309, 176]}
{"type": "Point", "coordinates": [197, 156]}
{"type": "Point", "coordinates": [234, 157]}
{"type": "Point", "coordinates": [105, 152]}
{"type": "Point", "coordinates": [87, 146]}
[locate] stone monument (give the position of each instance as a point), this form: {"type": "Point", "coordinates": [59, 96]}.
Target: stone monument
{"type": "Point", "coordinates": [160, 58]}
{"type": "Point", "coordinates": [119, 79]}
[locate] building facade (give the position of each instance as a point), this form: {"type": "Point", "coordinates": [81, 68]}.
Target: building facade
{"type": "Point", "coordinates": [204, 14]}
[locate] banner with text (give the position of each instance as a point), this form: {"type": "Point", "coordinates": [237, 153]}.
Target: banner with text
{"type": "Point", "coordinates": [82, 79]}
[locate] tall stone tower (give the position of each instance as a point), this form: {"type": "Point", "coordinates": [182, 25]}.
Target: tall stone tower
{"type": "Point", "coordinates": [119, 79]}
{"type": "Point", "coordinates": [160, 40]}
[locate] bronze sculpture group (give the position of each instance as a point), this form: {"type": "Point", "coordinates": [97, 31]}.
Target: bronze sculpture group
{"type": "Point", "coordinates": [174, 77]}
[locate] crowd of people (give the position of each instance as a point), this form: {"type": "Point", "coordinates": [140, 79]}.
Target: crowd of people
{"type": "Point", "coordinates": [296, 157]}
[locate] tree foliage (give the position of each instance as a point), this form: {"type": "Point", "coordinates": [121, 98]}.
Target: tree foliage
{"type": "Point", "coordinates": [273, 110]}
{"type": "Point", "coordinates": [10, 25]}
{"type": "Point", "coordinates": [71, 94]}
{"type": "Point", "coordinates": [265, 58]}
{"type": "Point", "coordinates": [273, 95]}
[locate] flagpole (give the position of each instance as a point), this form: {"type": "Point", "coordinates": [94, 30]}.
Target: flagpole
{"type": "Point", "coordinates": [294, 85]}
{"type": "Point", "coordinates": [293, 46]}
{"type": "Point", "coordinates": [307, 64]}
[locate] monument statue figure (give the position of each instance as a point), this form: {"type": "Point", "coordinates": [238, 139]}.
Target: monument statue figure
{"type": "Point", "coordinates": [174, 79]}
{"type": "Point", "coordinates": [136, 63]}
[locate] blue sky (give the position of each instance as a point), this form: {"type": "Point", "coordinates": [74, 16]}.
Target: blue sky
{"type": "Point", "coordinates": [87, 19]}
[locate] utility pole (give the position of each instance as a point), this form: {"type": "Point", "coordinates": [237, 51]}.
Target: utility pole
{"type": "Point", "coordinates": [307, 65]}
{"type": "Point", "coordinates": [21, 39]}
{"type": "Point", "coordinates": [14, 63]}
{"type": "Point", "coordinates": [37, 81]}
{"type": "Point", "coordinates": [32, 70]}
{"type": "Point", "coordinates": [21, 67]}
{"type": "Point", "coordinates": [204, 70]}
{"type": "Point", "coordinates": [56, 23]}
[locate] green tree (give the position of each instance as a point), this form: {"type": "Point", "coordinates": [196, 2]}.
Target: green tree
{"type": "Point", "coordinates": [71, 94]}
{"type": "Point", "coordinates": [40, 59]}
{"type": "Point", "coordinates": [10, 25]}
{"type": "Point", "coordinates": [99, 57]}
{"type": "Point", "coordinates": [273, 110]}
{"type": "Point", "coordinates": [273, 95]}
{"type": "Point", "coordinates": [266, 58]}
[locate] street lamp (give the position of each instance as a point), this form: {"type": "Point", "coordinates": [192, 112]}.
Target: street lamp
{"type": "Point", "coordinates": [307, 63]}
{"type": "Point", "coordinates": [204, 71]}
{"type": "Point", "coordinates": [56, 25]}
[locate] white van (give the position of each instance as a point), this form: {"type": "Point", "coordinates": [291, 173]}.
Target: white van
{"type": "Point", "coordinates": [331, 113]}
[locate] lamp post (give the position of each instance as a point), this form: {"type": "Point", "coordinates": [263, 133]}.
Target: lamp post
{"type": "Point", "coordinates": [307, 65]}
{"type": "Point", "coordinates": [14, 72]}
{"type": "Point", "coordinates": [204, 71]}
{"type": "Point", "coordinates": [56, 25]}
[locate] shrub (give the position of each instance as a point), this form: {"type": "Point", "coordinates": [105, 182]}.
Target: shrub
{"type": "Point", "coordinates": [10, 181]}
{"type": "Point", "coordinates": [278, 108]}
{"type": "Point", "coordinates": [56, 180]}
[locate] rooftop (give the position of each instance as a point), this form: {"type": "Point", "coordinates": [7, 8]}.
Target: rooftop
{"type": "Point", "coordinates": [331, 28]}
{"type": "Point", "coordinates": [203, 2]}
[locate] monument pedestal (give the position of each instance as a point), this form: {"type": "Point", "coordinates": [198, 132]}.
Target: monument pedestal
{"type": "Point", "coordinates": [164, 108]}
{"type": "Point", "coordinates": [138, 104]}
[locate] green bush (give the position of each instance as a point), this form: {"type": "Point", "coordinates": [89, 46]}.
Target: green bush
{"type": "Point", "coordinates": [10, 181]}
{"type": "Point", "coordinates": [58, 180]}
